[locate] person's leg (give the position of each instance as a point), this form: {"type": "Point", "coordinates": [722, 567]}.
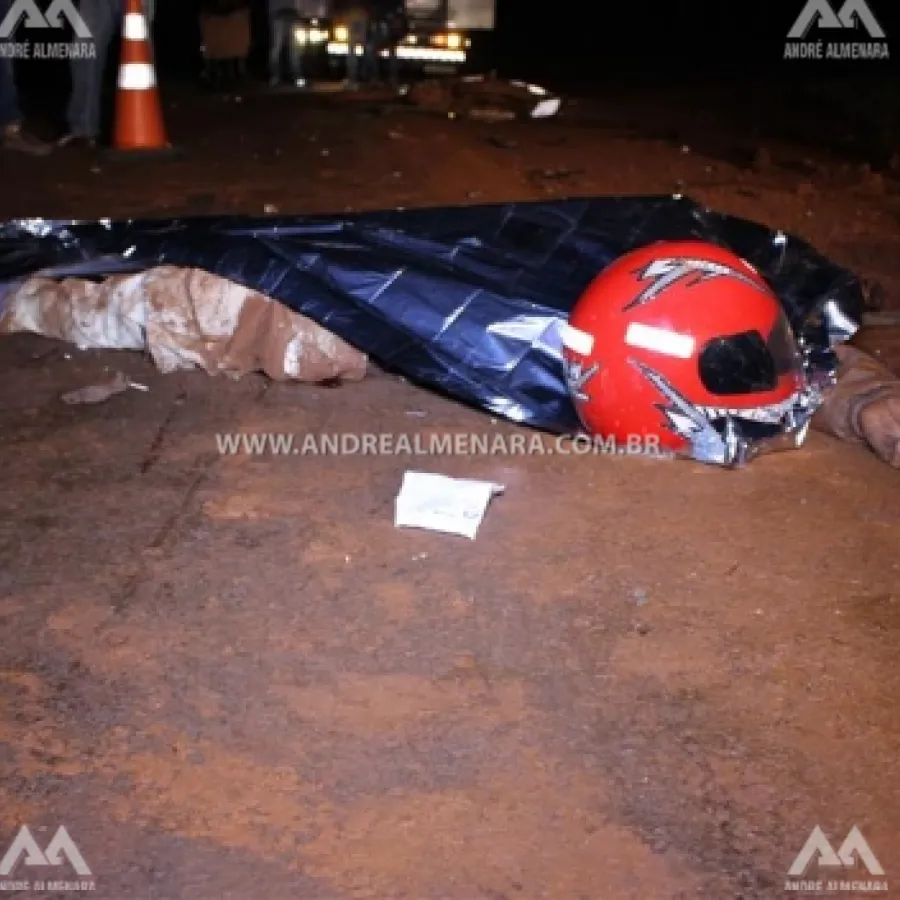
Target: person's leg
{"type": "Point", "coordinates": [296, 55]}
{"type": "Point", "coordinates": [12, 135]}
{"type": "Point", "coordinates": [370, 53]}
{"type": "Point", "coordinates": [150, 16]}
{"type": "Point", "coordinates": [276, 42]}
{"type": "Point", "coordinates": [352, 65]}
{"type": "Point", "coordinates": [357, 38]}
{"type": "Point", "coordinates": [85, 101]}
{"type": "Point", "coordinates": [394, 67]}
{"type": "Point", "coordinates": [9, 97]}
{"type": "Point", "coordinates": [370, 62]}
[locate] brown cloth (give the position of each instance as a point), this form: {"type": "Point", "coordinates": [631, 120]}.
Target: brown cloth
{"type": "Point", "coordinates": [273, 339]}
{"type": "Point", "coordinates": [226, 36]}
{"type": "Point", "coordinates": [864, 406]}
{"type": "Point", "coordinates": [184, 318]}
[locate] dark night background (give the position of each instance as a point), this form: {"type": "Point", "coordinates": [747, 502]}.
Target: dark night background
{"type": "Point", "coordinates": [726, 55]}
{"type": "Point", "coordinates": [572, 39]}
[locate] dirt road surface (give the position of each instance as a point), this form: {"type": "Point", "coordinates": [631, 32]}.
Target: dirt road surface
{"type": "Point", "coordinates": [230, 676]}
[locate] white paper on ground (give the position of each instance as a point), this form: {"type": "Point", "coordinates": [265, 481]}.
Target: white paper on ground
{"type": "Point", "coordinates": [441, 503]}
{"type": "Point", "coordinates": [546, 108]}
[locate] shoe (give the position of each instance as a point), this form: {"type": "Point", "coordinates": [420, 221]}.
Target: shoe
{"type": "Point", "coordinates": [16, 139]}
{"type": "Point", "coordinates": [77, 141]}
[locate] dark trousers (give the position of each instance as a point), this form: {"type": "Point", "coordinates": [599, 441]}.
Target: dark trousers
{"type": "Point", "coordinates": [281, 40]}
{"type": "Point", "coordinates": [9, 96]}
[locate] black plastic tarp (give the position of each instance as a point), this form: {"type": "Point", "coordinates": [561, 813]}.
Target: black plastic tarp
{"type": "Point", "coordinates": [467, 301]}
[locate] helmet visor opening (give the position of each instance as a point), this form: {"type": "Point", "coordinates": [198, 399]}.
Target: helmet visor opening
{"type": "Point", "coordinates": [739, 364]}
{"type": "Point", "coordinates": [783, 347]}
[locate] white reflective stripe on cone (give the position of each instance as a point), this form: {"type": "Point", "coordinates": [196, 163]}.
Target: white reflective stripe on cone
{"type": "Point", "coordinates": [135, 27]}
{"type": "Point", "coordinates": [136, 77]}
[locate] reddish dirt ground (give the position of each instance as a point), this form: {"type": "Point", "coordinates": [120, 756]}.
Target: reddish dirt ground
{"type": "Point", "coordinates": [232, 677]}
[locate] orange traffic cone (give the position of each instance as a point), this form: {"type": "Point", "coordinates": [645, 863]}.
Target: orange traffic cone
{"type": "Point", "coordinates": [139, 128]}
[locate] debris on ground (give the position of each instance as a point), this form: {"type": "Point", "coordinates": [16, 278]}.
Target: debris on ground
{"type": "Point", "coordinates": [100, 393]}
{"type": "Point", "coordinates": [502, 143]}
{"type": "Point", "coordinates": [561, 174]}
{"type": "Point", "coordinates": [185, 319]}
{"type": "Point", "coordinates": [484, 97]}
{"type": "Point", "coordinates": [440, 503]}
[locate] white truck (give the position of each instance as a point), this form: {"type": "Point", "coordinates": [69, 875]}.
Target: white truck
{"type": "Point", "coordinates": [440, 33]}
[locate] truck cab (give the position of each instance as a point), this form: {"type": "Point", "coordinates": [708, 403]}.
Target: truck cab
{"type": "Point", "coordinates": [440, 34]}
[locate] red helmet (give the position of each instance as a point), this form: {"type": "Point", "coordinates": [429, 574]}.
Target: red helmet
{"type": "Point", "coordinates": [683, 345]}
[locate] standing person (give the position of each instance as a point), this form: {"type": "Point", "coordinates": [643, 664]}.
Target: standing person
{"type": "Point", "coordinates": [313, 13]}
{"type": "Point", "coordinates": [225, 32]}
{"type": "Point", "coordinates": [102, 18]}
{"type": "Point", "coordinates": [284, 15]}
{"type": "Point", "coordinates": [12, 135]}
{"type": "Point", "coordinates": [397, 26]}
{"type": "Point", "coordinates": [361, 28]}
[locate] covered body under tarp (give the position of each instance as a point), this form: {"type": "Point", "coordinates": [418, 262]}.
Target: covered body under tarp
{"type": "Point", "coordinates": [467, 301]}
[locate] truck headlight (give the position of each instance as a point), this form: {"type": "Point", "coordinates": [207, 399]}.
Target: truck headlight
{"type": "Point", "coordinates": [342, 34]}
{"type": "Point", "coordinates": [454, 41]}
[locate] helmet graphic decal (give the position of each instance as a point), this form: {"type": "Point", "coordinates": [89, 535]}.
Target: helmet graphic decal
{"type": "Point", "coordinates": [577, 377]}
{"type": "Point", "coordinates": [666, 272]}
{"type": "Point", "coordinates": [685, 419]}
{"type": "Point", "coordinates": [709, 443]}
